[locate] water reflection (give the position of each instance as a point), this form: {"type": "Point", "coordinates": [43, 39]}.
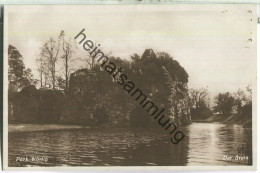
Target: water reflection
{"type": "Point", "coordinates": [204, 144]}
{"type": "Point", "coordinates": [209, 143]}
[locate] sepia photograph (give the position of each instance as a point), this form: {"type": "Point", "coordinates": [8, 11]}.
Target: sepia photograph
{"type": "Point", "coordinates": [130, 86]}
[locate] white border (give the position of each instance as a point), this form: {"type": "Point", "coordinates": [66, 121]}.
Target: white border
{"type": "Point", "coordinates": [112, 168]}
{"type": "Point", "coordinates": [87, 2]}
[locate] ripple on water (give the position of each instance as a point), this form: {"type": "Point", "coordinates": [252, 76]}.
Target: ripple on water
{"type": "Point", "coordinates": [204, 144]}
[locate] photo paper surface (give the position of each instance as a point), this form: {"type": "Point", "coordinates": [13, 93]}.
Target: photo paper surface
{"type": "Point", "coordinates": [101, 87]}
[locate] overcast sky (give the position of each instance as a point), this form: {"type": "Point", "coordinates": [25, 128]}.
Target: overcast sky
{"type": "Point", "coordinates": [214, 43]}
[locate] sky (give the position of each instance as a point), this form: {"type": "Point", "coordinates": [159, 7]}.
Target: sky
{"type": "Point", "coordinates": [216, 44]}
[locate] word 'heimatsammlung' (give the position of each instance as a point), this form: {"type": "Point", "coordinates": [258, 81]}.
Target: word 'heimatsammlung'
{"type": "Point", "coordinates": [129, 87]}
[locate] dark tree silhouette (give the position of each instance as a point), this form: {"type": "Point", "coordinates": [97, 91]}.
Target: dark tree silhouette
{"type": "Point", "coordinates": [224, 103]}
{"type": "Point", "coordinates": [18, 76]}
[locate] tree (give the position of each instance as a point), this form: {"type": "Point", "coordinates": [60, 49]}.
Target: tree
{"type": "Point", "coordinates": [199, 103]}
{"type": "Point", "coordinates": [150, 65]}
{"type": "Point", "coordinates": [68, 46]}
{"type": "Point", "coordinates": [243, 102]}
{"type": "Point", "coordinates": [177, 72]}
{"type": "Point", "coordinates": [243, 97]}
{"type": "Point", "coordinates": [40, 68]}
{"type": "Point", "coordinates": [224, 103]}
{"type": "Point", "coordinates": [91, 59]}
{"type": "Point", "coordinates": [50, 51]}
{"type": "Point", "coordinates": [165, 81]}
{"type": "Point", "coordinates": [18, 76]}
{"type": "Point", "coordinates": [61, 83]}
{"type": "Point", "coordinates": [198, 97]}
{"type": "Point", "coordinates": [135, 57]}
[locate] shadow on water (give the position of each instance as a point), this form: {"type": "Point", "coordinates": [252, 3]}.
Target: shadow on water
{"type": "Point", "coordinates": [204, 144]}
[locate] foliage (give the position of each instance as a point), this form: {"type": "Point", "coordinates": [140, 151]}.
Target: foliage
{"type": "Point", "coordinates": [148, 73]}
{"type": "Point", "coordinates": [199, 102]}
{"type": "Point", "coordinates": [61, 83]}
{"type": "Point", "coordinates": [243, 101]}
{"type": "Point", "coordinates": [224, 103]}
{"type": "Point", "coordinates": [18, 76]}
{"type": "Point", "coordinates": [151, 65]}
{"type": "Point", "coordinates": [239, 103]}
{"type": "Point", "coordinates": [202, 112]}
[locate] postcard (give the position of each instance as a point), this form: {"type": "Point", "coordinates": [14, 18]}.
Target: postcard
{"type": "Point", "coordinates": [130, 87]}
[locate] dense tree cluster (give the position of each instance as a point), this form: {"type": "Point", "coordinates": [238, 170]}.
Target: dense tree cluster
{"type": "Point", "coordinates": [200, 104]}
{"type": "Point", "coordinates": [162, 81]}
{"type": "Point", "coordinates": [227, 107]}
{"type": "Point", "coordinates": [237, 107]}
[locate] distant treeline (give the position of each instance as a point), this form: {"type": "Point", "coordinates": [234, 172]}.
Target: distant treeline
{"type": "Point", "coordinates": [227, 107]}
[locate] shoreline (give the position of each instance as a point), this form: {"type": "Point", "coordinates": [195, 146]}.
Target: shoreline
{"type": "Point", "coordinates": [222, 122]}
{"type": "Point", "coordinates": [19, 128]}
{"type": "Point", "coordinates": [13, 128]}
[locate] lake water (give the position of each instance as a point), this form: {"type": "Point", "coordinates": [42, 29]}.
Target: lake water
{"type": "Point", "coordinates": [204, 144]}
